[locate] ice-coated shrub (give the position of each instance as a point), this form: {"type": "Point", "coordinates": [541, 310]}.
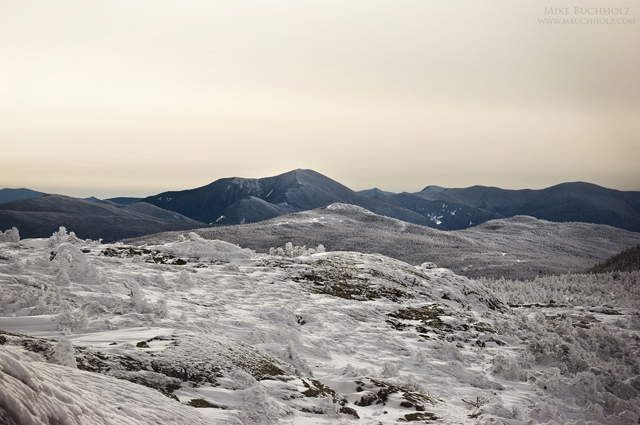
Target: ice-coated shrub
{"type": "Point", "coordinates": [204, 249]}
{"type": "Point", "coordinates": [276, 251]}
{"type": "Point", "coordinates": [159, 280]}
{"type": "Point", "coordinates": [43, 300]}
{"type": "Point", "coordinates": [261, 406]}
{"type": "Point", "coordinates": [49, 301]}
{"type": "Point", "coordinates": [583, 388]}
{"type": "Point", "coordinates": [161, 309]}
{"type": "Point", "coordinates": [70, 319]}
{"type": "Point", "coordinates": [136, 300]}
{"type": "Point", "coordinates": [138, 303]}
{"type": "Point", "coordinates": [61, 236]}
{"type": "Point", "coordinates": [409, 382]}
{"type": "Point", "coordinates": [11, 235]}
{"type": "Point", "coordinates": [292, 357]}
{"type": "Point", "coordinates": [231, 268]}
{"type": "Point", "coordinates": [288, 249]}
{"type": "Point", "coordinates": [292, 251]}
{"type": "Point", "coordinates": [329, 407]}
{"type": "Point", "coordinates": [62, 277]}
{"type": "Point", "coordinates": [94, 308]}
{"type": "Point", "coordinates": [349, 370]}
{"type": "Point", "coordinates": [616, 289]}
{"type": "Point", "coordinates": [445, 350]}
{"type": "Point", "coordinates": [594, 365]}
{"type": "Point", "coordinates": [183, 281]}
{"type": "Point", "coordinates": [389, 370]}
{"type": "Point", "coordinates": [14, 266]}
{"type": "Point", "coordinates": [508, 367]}
{"type": "Point", "coordinates": [70, 259]}
{"type": "Point", "coordinates": [64, 354]}
{"type": "Point", "coordinates": [241, 379]}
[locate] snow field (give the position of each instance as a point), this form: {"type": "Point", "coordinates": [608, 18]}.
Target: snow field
{"type": "Point", "coordinates": [239, 337]}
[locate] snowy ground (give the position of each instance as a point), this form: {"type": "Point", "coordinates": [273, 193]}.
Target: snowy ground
{"type": "Point", "coordinates": [199, 331]}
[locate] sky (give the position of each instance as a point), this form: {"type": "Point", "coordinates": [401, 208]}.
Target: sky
{"type": "Point", "coordinates": [133, 98]}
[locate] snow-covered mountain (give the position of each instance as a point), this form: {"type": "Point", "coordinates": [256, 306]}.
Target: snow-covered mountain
{"type": "Point", "coordinates": [446, 214]}
{"type": "Point", "coordinates": [517, 247]}
{"type": "Point", "coordinates": [565, 202]}
{"type": "Point", "coordinates": [231, 201]}
{"type": "Point", "coordinates": [239, 200]}
{"type": "Point", "coordinates": [202, 331]}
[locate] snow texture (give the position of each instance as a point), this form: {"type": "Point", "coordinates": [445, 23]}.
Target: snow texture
{"type": "Point", "coordinates": [203, 331]}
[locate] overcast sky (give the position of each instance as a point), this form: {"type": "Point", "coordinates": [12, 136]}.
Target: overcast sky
{"type": "Point", "coordinates": [133, 98]}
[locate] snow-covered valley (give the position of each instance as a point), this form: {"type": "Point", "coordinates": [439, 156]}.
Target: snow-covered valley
{"type": "Point", "coordinates": [201, 331]}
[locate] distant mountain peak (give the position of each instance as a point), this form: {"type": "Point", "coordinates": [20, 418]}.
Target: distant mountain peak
{"type": "Point", "coordinates": [433, 188]}
{"type": "Point", "coordinates": [375, 192]}
{"type": "Point", "coordinates": [297, 190]}
{"type": "Point", "coordinates": [9, 195]}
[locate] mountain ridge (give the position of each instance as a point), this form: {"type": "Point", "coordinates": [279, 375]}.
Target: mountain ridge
{"type": "Point", "coordinates": [519, 247]}
{"type": "Point", "coordinates": [237, 200]}
{"type": "Point", "coordinates": [41, 216]}
{"type": "Point", "coordinates": [10, 195]}
{"type": "Point", "coordinates": [570, 201]}
{"type": "Point", "coordinates": [225, 202]}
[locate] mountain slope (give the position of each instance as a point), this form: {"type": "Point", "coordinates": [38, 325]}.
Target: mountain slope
{"type": "Point", "coordinates": [447, 214]}
{"type": "Point", "coordinates": [518, 247]}
{"type": "Point", "coordinates": [576, 201]}
{"type": "Point", "coordinates": [9, 195]}
{"type": "Point", "coordinates": [252, 209]}
{"type": "Point", "coordinates": [40, 217]}
{"type": "Point", "coordinates": [297, 190]}
{"type": "Point", "coordinates": [626, 261]}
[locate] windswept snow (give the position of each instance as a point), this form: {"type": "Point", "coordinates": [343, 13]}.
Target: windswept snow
{"type": "Point", "coordinates": [203, 331]}
{"type": "Point", "coordinates": [36, 392]}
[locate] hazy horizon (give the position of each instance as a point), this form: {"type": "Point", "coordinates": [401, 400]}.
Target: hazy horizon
{"type": "Point", "coordinates": [84, 193]}
{"type": "Point", "coordinates": [110, 98]}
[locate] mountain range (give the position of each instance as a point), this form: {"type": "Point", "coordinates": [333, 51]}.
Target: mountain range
{"type": "Point", "coordinates": [232, 201]}
{"type": "Point", "coordinates": [238, 200]}
{"type": "Point", "coordinates": [577, 201]}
